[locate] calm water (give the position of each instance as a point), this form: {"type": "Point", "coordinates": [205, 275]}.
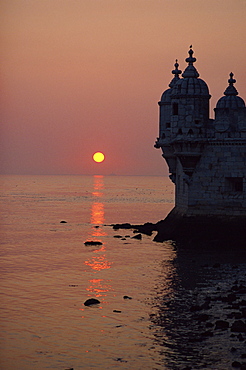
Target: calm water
{"type": "Point", "coordinates": [47, 273]}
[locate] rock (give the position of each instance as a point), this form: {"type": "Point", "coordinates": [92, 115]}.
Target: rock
{"type": "Point", "coordinates": [117, 311]}
{"type": "Point", "coordinates": [240, 337]}
{"type": "Point", "coordinates": [138, 236]}
{"type": "Point", "coordinates": [238, 326]}
{"type": "Point", "coordinates": [221, 324]}
{"type": "Point", "coordinates": [236, 364]}
{"type": "Point", "coordinates": [91, 301]}
{"type": "Point", "coordinates": [122, 226]}
{"type": "Point", "coordinates": [127, 297]}
{"type": "Point", "coordinates": [117, 236]}
{"type": "Point", "coordinates": [92, 242]}
{"type": "Point", "coordinates": [202, 317]}
{"type": "Point", "coordinates": [63, 222]}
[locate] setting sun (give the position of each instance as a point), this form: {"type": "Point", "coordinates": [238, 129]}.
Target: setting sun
{"type": "Point", "coordinates": [98, 157]}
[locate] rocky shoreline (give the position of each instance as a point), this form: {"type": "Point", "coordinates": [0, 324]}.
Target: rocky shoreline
{"type": "Point", "coordinates": [204, 322]}
{"type": "Point", "coordinates": [219, 230]}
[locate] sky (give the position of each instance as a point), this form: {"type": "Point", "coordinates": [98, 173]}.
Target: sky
{"type": "Point", "coordinates": [80, 76]}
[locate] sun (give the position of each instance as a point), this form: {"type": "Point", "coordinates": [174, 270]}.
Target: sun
{"type": "Point", "coordinates": [98, 157]}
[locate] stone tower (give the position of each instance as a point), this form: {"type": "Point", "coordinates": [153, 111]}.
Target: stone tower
{"type": "Point", "coordinates": [206, 157]}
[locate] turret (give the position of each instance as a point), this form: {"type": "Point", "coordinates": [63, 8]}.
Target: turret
{"type": "Point", "coordinates": [165, 106]}
{"type": "Point", "coordinates": [230, 113]}
{"type": "Point", "coordinates": [190, 104]}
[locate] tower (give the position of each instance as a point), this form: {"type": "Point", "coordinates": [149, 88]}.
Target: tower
{"type": "Point", "coordinates": [206, 157]}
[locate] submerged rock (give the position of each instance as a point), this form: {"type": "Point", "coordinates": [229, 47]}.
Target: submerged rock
{"type": "Point", "coordinates": [138, 236]}
{"type": "Point", "coordinates": [92, 242]}
{"type": "Point", "coordinates": [221, 324]}
{"type": "Point", "coordinates": [238, 326]}
{"type": "Point", "coordinates": [91, 301]}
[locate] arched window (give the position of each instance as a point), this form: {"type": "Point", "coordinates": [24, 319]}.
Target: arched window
{"type": "Point", "coordinates": [175, 109]}
{"type": "Point", "coordinates": [190, 132]}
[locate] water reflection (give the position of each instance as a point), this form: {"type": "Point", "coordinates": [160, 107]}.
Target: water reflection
{"type": "Point", "coordinates": [189, 306]}
{"type": "Point", "coordinates": [99, 288]}
{"type": "Point", "coordinates": [98, 260]}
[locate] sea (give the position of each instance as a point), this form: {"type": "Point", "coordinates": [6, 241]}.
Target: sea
{"type": "Point", "coordinates": [159, 303]}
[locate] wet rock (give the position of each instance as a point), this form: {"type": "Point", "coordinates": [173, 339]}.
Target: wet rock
{"type": "Point", "coordinates": [119, 359]}
{"type": "Point", "coordinates": [240, 337]}
{"type": "Point", "coordinates": [234, 315]}
{"type": "Point", "coordinates": [63, 222]}
{"type": "Point", "coordinates": [204, 306]}
{"type": "Point", "coordinates": [202, 317]}
{"type": "Point", "coordinates": [238, 326]}
{"type": "Point", "coordinates": [122, 226]}
{"type": "Point", "coordinates": [118, 236]}
{"type": "Point", "coordinates": [209, 325]}
{"type": "Point", "coordinates": [221, 325]}
{"type": "Point", "coordinates": [91, 301]}
{"type": "Point", "coordinates": [92, 242]}
{"type": "Point", "coordinates": [138, 236]}
{"type": "Point", "coordinates": [117, 311]}
{"type": "Point", "coordinates": [207, 334]}
{"type": "Point", "coordinates": [127, 297]}
{"type": "Point", "coordinates": [229, 298]}
{"type": "Point", "coordinates": [236, 364]}
{"type": "Point", "coordinates": [243, 312]}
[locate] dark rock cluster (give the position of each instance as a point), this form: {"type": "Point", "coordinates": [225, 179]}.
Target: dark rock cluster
{"type": "Point", "coordinates": [178, 227]}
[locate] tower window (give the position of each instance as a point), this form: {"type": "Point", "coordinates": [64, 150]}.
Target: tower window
{"type": "Point", "coordinates": [197, 121]}
{"type": "Point", "coordinates": [175, 109]}
{"type": "Point", "coordinates": [234, 184]}
{"type": "Point", "coordinates": [190, 132]}
{"type": "Point", "coordinates": [168, 125]}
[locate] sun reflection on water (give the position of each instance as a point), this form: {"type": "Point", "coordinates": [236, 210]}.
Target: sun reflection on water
{"type": "Point", "coordinates": [99, 287]}
{"type": "Point", "coordinates": [98, 260]}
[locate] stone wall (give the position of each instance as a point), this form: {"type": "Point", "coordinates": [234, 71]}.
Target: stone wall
{"type": "Point", "coordinates": [218, 184]}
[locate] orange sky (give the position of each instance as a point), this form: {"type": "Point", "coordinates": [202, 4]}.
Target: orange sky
{"type": "Point", "coordinates": [80, 76]}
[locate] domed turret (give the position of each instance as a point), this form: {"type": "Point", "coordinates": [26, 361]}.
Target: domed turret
{"type": "Point", "coordinates": [231, 100]}
{"type": "Point", "coordinates": [230, 111]}
{"type": "Point", "coordinates": [190, 102]}
{"type": "Point", "coordinates": [165, 103]}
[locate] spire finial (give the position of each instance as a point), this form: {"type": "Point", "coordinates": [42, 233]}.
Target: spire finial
{"type": "Point", "coordinates": [190, 60]}
{"type": "Point", "coordinates": [231, 90]}
{"type": "Point", "coordinates": [190, 70]}
{"type": "Point", "coordinates": [176, 72]}
{"type": "Point", "coordinates": [231, 79]}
